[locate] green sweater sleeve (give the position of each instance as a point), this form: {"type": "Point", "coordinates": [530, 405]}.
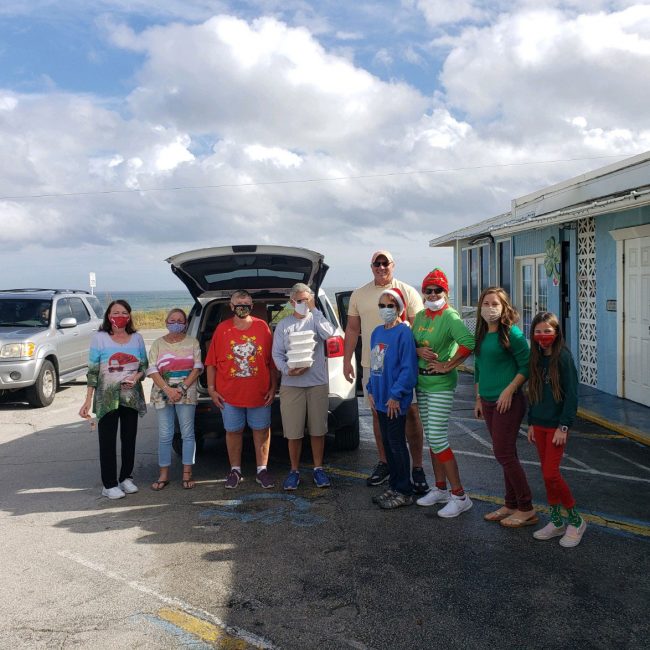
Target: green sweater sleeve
{"type": "Point", "coordinates": [460, 333]}
{"type": "Point", "coordinates": [519, 350]}
{"type": "Point", "coordinates": [569, 383]}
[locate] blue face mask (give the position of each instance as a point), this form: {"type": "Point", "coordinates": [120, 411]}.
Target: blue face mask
{"type": "Point", "coordinates": [176, 328]}
{"type": "Point", "coordinates": [387, 314]}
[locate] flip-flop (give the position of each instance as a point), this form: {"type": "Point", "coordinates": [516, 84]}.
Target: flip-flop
{"type": "Point", "coordinates": [188, 483]}
{"type": "Point", "coordinates": [496, 515]}
{"type": "Point", "coordinates": [516, 522]}
{"type": "Point", "coordinates": [161, 485]}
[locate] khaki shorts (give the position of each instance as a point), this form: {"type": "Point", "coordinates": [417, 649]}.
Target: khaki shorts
{"type": "Point", "coordinates": [366, 378]}
{"type": "Point", "coordinates": [299, 404]}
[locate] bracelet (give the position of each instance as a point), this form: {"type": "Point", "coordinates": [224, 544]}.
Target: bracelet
{"type": "Point", "coordinates": [183, 388]}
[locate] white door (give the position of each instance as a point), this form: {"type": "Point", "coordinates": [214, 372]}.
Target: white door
{"type": "Point", "coordinates": [533, 290]}
{"type": "Point", "coordinates": [637, 320]}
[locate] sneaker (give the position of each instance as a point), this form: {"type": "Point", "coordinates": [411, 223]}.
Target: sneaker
{"type": "Point", "coordinates": [292, 481]}
{"type": "Point", "coordinates": [264, 479]}
{"type": "Point", "coordinates": [233, 479]}
{"type": "Point", "coordinates": [113, 493]}
{"type": "Point", "coordinates": [378, 498]}
{"type": "Point", "coordinates": [379, 475]}
{"type": "Point", "coordinates": [396, 500]}
{"type": "Point", "coordinates": [573, 535]}
{"type": "Point", "coordinates": [433, 496]}
{"type": "Point", "coordinates": [321, 479]}
{"type": "Point", "coordinates": [128, 486]}
{"type": "Point", "coordinates": [455, 506]}
{"type": "Point", "coordinates": [549, 531]}
{"type": "Point", "coordinates": [419, 479]}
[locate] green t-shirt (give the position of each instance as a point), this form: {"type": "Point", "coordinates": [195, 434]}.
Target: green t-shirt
{"type": "Point", "coordinates": [495, 367]}
{"type": "Point", "coordinates": [443, 334]}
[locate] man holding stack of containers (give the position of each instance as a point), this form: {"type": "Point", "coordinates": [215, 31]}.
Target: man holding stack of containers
{"type": "Point", "coordinates": [299, 355]}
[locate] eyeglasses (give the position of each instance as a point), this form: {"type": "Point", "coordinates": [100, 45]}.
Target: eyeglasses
{"type": "Point", "coordinates": [381, 305]}
{"type": "Point", "coordinates": [384, 264]}
{"type": "Point", "coordinates": [437, 290]}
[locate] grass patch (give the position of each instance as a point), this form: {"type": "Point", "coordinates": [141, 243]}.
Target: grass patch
{"type": "Point", "coordinates": [150, 320]}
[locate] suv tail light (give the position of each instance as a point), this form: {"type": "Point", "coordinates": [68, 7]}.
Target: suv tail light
{"type": "Point", "coordinates": [334, 347]}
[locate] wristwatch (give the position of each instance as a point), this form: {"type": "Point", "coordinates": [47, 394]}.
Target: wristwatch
{"type": "Point", "coordinates": [564, 428]}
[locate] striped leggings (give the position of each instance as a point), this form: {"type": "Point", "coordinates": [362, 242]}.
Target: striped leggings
{"type": "Point", "coordinates": [435, 409]}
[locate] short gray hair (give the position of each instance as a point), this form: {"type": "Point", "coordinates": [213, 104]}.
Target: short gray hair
{"type": "Point", "coordinates": [299, 287]}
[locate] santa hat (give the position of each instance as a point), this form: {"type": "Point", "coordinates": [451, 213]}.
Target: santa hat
{"type": "Point", "coordinates": [398, 297]}
{"type": "Point", "coordinates": [436, 278]}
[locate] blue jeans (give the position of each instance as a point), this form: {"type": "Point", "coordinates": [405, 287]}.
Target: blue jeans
{"type": "Point", "coordinates": [393, 435]}
{"type": "Point", "coordinates": [185, 414]}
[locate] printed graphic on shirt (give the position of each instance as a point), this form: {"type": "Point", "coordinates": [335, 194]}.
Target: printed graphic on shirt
{"type": "Point", "coordinates": [377, 355]}
{"type": "Point", "coordinates": [244, 357]}
{"type": "Point", "coordinates": [174, 368]}
{"type": "Point", "coordinates": [120, 365]}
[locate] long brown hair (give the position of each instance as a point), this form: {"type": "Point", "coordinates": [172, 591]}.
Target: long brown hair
{"type": "Point", "coordinates": [107, 326]}
{"type": "Point", "coordinates": [509, 316]}
{"type": "Point", "coordinates": [535, 380]}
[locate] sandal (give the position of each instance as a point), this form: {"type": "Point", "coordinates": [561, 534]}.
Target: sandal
{"type": "Point", "coordinates": [498, 515]}
{"type": "Point", "coordinates": [188, 482]}
{"type": "Point", "coordinates": [158, 485]}
{"type": "Point", "coordinates": [518, 522]}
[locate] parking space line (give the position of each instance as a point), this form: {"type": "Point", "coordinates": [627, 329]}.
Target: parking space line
{"type": "Point", "coordinates": [185, 639]}
{"type": "Point", "coordinates": [251, 639]}
{"type": "Point", "coordinates": [627, 460]}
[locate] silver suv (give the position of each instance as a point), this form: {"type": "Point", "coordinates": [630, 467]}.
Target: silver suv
{"type": "Point", "coordinates": [268, 273]}
{"type": "Point", "coordinates": [44, 339]}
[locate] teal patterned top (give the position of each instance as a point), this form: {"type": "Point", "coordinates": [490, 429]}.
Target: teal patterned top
{"type": "Point", "coordinates": [109, 364]}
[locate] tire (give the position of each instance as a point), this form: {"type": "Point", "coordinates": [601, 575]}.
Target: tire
{"type": "Point", "coordinates": [347, 438]}
{"type": "Point", "coordinates": [177, 444]}
{"type": "Point", "coordinates": [43, 391]}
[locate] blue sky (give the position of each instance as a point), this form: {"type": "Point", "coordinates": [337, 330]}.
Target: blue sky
{"type": "Point", "coordinates": [106, 106]}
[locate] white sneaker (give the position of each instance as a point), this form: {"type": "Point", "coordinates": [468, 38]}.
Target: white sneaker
{"type": "Point", "coordinates": [129, 486]}
{"type": "Point", "coordinates": [433, 496]}
{"type": "Point", "coordinates": [549, 531]}
{"type": "Point", "coordinates": [455, 506]}
{"type": "Point", "coordinates": [113, 493]}
{"type": "Point", "coordinates": [573, 535]}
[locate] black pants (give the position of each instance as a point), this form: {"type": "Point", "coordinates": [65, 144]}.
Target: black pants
{"type": "Point", "coordinates": [107, 429]}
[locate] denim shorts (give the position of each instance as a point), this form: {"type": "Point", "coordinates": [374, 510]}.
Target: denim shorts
{"type": "Point", "coordinates": [236, 417]}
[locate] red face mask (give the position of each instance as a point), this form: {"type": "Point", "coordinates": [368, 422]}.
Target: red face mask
{"type": "Point", "coordinates": [120, 321]}
{"type": "Point", "coordinates": [544, 340]}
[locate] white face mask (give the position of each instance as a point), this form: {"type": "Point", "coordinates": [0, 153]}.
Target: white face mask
{"type": "Point", "coordinates": [301, 308]}
{"type": "Point", "coordinates": [387, 314]}
{"type": "Point", "coordinates": [435, 305]}
{"type": "Point", "coordinates": [491, 314]}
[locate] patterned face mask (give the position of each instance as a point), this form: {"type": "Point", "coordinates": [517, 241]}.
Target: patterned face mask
{"type": "Point", "coordinates": [241, 311]}
{"type": "Point", "coordinates": [544, 340]}
{"type": "Point", "coordinates": [120, 321]}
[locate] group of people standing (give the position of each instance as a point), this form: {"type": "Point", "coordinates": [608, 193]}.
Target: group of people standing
{"type": "Point", "coordinates": [412, 343]}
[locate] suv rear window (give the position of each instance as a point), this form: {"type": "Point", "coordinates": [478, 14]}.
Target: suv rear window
{"type": "Point", "coordinates": [24, 312]}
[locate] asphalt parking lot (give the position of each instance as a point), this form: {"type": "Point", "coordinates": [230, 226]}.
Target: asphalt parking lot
{"type": "Point", "coordinates": [323, 569]}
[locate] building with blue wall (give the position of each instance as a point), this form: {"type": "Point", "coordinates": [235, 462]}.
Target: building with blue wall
{"type": "Point", "coordinates": [581, 249]}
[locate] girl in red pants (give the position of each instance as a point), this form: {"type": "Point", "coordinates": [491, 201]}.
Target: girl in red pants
{"type": "Point", "coordinates": [553, 396]}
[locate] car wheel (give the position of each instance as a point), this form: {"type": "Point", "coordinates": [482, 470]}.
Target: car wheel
{"type": "Point", "coordinates": [43, 391]}
{"type": "Point", "coordinates": [177, 444]}
{"type": "Point", "coordinates": [347, 438]}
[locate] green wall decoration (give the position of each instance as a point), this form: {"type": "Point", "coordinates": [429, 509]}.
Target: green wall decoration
{"type": "Point", "coordinates": [552, 260]}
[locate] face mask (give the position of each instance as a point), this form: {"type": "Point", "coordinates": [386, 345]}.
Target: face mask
{"type": "Point", "coordinates": [435, 305]}
{"type": "Point", "coordinates": [120, 321]}
{"type": "Point", "coordinates": [491, 314]}
{"type": "Point", "coordinates": [241, 311]}
{"type": "Point", "coordinates": [301, 308]}
{"type": "Point", "coordinates": [387, 314]}
{"type": "Point", "coordinates": [544, 340]}
{"type": "Point", "coordinates": [176, 328]}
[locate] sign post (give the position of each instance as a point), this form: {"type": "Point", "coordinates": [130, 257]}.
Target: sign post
{"type": "Point", "coordinates": [93, 282]}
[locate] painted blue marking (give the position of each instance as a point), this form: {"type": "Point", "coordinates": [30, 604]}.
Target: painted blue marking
{"type": "Point", "coordinates": [283, 506]}
{"type": "Point", "coordinates": [186, 639]}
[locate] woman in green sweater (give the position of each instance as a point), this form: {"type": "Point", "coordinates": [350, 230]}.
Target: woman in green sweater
{"type": "Point", "coordinates": [553, 393]}
{"type": "Point", "coordinates": [442, 342]}
{"type": "Point", "coordinates": [500, 370]}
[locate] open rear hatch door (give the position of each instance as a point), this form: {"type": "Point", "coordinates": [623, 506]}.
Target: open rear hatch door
{"type": "Point", "coordinates": [258, 269]}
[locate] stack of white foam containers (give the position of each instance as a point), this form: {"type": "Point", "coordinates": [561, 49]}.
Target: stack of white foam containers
{"type": "Point", "coordinates": [300, 353]}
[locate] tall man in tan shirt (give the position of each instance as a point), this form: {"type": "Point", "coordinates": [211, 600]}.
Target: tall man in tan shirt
{"type": "Point", "coordinates": [363, 317]}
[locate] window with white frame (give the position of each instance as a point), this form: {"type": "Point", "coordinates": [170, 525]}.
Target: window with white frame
{"type": "Point", "coordinates": [475, 273]}
{"type": "Point", "coordinates": [504, 264]}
